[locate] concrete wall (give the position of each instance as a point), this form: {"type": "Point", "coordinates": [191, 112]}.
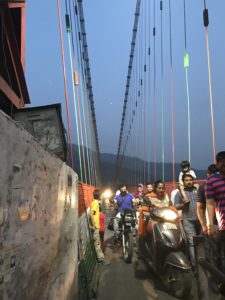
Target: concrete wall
{"type": "Point", "coordinates": [38, 219]}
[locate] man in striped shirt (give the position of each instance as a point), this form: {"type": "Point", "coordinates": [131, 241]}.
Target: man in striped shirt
{"type": "Point", "coordinates": [215, 199]}
{"type": "Point", "coordinates": [188, 205]}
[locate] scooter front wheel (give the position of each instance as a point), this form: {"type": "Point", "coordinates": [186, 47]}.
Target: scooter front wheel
{"type": "Point", "coordinates": [178, 281]}
{"type": "Point", "coordinates": [128, 247]}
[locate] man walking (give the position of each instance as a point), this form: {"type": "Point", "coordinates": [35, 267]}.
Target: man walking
{"type": "Point", "coordinates": [215, 199]}
{"type": "Point", "coordinates": [188, 205]}
{"type": "Point", "coordinates": [96, 225]}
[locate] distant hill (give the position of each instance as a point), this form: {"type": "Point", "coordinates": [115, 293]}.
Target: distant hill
{"type": "Point", "coordinates": [108, 167]}
{"type": "Point", "coordinates": [108, 162]}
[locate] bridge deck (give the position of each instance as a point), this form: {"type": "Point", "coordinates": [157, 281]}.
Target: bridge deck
{"type": "Point", "coordinates": [133, 281]}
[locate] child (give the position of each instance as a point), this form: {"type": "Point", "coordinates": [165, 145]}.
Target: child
{"type": "Point", "coordinates": [102, 228]}
{"type": "Point", "coordinates": [185, 169]}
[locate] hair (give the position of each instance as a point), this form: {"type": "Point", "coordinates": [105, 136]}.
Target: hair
{"type": "Point", "coordinates": [140, 185]}
{"type": "Point", "coordinates": [187, 175]}
{"type": "Point", "coordinates": [185, 164]}
{"type": "Point", "coordinates": [220, 156]}
{"type": "Point", "coordinates": [212, 169]}
{"type": "Point", "coordinates": [122, 185]}
{"type": "Point", "coordinates": [96, 194]}
{"type": "Point", "coordinates": [149, 183]}
{"type": "Point", "coordinates": [156, 184]}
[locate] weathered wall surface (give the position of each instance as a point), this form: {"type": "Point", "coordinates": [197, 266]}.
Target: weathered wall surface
{"type": "Point", "coordinates": [38, 219]}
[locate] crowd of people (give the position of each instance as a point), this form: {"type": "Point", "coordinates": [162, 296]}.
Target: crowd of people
{"type": "Point", "coordinates": [200, 207]}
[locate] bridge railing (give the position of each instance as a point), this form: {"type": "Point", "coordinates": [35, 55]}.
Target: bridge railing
{"type": "Point", "coordinates": [169, 186]}
{"type": "Point", "coordinates": [88, 267]}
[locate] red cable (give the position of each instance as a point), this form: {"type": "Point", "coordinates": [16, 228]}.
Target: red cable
{"type": "Point", "coordinates": [65, 84]}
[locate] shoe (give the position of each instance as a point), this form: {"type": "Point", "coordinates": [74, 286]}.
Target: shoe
{"type": "Point", "coordinates": [105, 262]}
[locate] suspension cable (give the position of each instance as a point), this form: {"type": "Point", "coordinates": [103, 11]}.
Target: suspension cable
{"type": "Point", "coordinates": [172, 94]}
{"type": "Point", "coordinates": [206, 23]}
{"type": "Point", "coordinates": [65, 83]}
{"type": "Point", "coordinates": [76, 80]}
{"type": "Point", "coordinates": [186, 66]}
{"type": "Point", "coordinates": [149, 91]}
{"type": "Point", "coordinates": [68, 30]}
{"type": "Point", "coordinates": [118, 159]}
{"type": "Point", "coordinates": [162, 91]}
{"type": "Point", "coordinates": [155, 148]}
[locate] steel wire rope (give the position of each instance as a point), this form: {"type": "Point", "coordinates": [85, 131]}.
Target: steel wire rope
{"type": "Point", "coordinates": [82, 96]}
{"type": "Point", "coordinates": [65, 81]}
{"type": "Point", "coordinates": [68, 28]}
{"type": "Point", "coordinates": [140, 102]}
{"type": "Point", "coordinates": [118, 160]}
{"type": "Point", "coordinates": [140, 97]}
{"type": "Point", "coordinates": [154, 84]}
{"type": "Point", "coordinates": [149, 91]}
{"type": "Point", "coordinates": [145, 69]}
{"type": "Point", "coordinates": [206, 23]}
{"type": "Point", "coordinates": [172, 94]}
{"type": "Point", "coordinates": [133, 120]}
{"type": "Point", "coordinates": [186, 66]}
{"type": "Point", "coordinates": [96, 152]}
{"type": "Point", "coordinates": [162, 89]}
{"type": "Point", "coordinates": [80, 63]}
{"type": "Point", "coordinates": [90, 91]}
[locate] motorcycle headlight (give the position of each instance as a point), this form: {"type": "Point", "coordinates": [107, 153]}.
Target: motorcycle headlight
{"type": "Point", "coordinates": [128, 218]}
{"type": "Point", "coordinates": [169, 215]}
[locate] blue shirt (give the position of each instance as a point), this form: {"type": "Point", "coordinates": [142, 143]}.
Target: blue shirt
{"type": "Point", "coordinates": [127, 203]}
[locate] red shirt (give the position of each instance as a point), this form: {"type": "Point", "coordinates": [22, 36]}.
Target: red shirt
{"type": "Point", "coordinates": [102, 222]}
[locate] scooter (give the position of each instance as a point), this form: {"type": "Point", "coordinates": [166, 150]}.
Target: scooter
{"type": "Point", "coordinates": [164, 247]}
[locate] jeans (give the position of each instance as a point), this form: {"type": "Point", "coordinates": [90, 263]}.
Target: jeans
{"type": "Point", "coordinates": [191, 228]}
{"type": "Point", "coordinates": [96, 238]}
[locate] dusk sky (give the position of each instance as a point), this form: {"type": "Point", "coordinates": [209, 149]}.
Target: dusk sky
{"type": "Point", "coordinates": [109, 27]}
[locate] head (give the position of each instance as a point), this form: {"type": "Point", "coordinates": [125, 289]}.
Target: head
{"type": "Point", "coordinates": [212, 169]}
{"type": "Point", "coordinates": [220, 162]}
{"type": "Point", "coordinates": [140, 188]}
{"type": "Point", "coordinates": [159, 187]}
{"type": "Point", "coordinates": [123, 189]}
{"type": "Point", "coordinates": [96, 194]}
{"type": "Point", "coordinates": [185, 166]}
{"type": "Point", "coordinates": [149, 187]}
{"type": "Point", "coordinates": [187, 180]}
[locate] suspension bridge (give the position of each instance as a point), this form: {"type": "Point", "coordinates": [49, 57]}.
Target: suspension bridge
{"type": "Point", "coordinates": [53, 151]}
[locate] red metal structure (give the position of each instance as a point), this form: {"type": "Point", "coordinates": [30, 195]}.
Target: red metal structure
{"type": "Point", "coordinates": [13, 88]}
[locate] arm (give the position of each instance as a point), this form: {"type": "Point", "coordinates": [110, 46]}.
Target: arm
{"type": "Point", "coordinates": [178, 203]}
{"type": "Point", "coordinates": [210, 211]}
{"type": "Point", "coordinates": [200, 213]}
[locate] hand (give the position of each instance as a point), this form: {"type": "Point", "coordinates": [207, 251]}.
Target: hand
{"type": "Point", "coordinates": [211, 231]}
{"type": "Point", "coordinates": [204, 229]}
{"type": "Point", "coordinates": [186, 201]}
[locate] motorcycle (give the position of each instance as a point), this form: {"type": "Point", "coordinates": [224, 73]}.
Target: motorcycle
{"type": "Point", "coordinates": [127, 225]}
{"type": "Point", "coordinates": [164, 246]}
